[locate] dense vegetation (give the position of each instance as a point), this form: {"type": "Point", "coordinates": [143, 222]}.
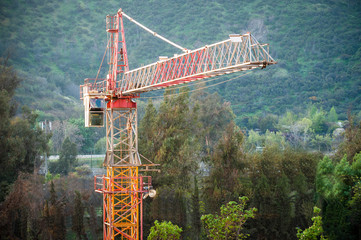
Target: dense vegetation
{"type": "Point", "coordinates": [206, 162]}
{"type": "Point", "coordinates": [56, 44]}
{"type": "Point", "coordinates": [288, 138]}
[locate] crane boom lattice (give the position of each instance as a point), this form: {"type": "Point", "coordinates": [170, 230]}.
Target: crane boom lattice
{"type": "Point", "coordinates": [217, 59]}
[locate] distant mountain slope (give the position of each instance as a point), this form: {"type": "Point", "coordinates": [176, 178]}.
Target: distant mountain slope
{"type": "Point", "coordinates": [56, 44]}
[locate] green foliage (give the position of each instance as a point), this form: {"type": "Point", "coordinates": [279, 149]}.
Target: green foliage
{"type": "Point", "coordinates": [227, 163]}
{"type": "Point", "coordinates": [88, 137]}
{"type": "Point", "coordinates": [146, 129]}
{"type": "Point", "coordinates": [196, 215]}
{"type": "Point", "coordinates": [337, 183]}
{"type": "Point", "coordinates": [315, 231]}
{"type": "Point", "coordinates": [257, 141]}
{"type": "Point", "coordinates": [78, 217]}
{"type": "Point", "coordinates": [319, 122]}
{"type": "Point", "coordinates": [355, 204]}
{"type": "Point", "coordinates": [9, 80]}
{"type": "Point", "coordinates": [352, 143]}
{"type": "Point", "coordinates": [322, 143]}
{"type": "Point", "coordinates": [67, 158]}
{"type": "Point", "coordinates": [230, 222]}
{"type": "Point", "coordinates": [214, 115]}
{"type": "Point", "coordinates": [164, 231]}
{"type": "Point", "coordinates": [22, 142]}
{"type": "Point", "coordinates": [288, 119]}
{"type": "Point", "coordinates": [179, 135]}
{"type": "Point", "coordinates": [50, 177]}
{"type": "Point", "coordinates": [50, 44]}
{"type": "Point", "coordinates": [100, 146]}
{"type": "Point", "coordinates": [332, 115]}
{"type": "Point", "coordinates": [168, 138]}
{"type": "Point", "coordinates": [281, 185]}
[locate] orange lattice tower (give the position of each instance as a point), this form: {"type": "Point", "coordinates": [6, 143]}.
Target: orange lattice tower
{"type": "Point", "coordinates": [122, 187]}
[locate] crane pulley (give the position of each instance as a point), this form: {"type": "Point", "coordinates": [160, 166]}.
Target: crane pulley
{"type": "Point", "coordinates": [122, 186]}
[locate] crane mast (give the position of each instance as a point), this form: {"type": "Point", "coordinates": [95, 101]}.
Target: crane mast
{"type": "Point", "coordinates": [123, 187]}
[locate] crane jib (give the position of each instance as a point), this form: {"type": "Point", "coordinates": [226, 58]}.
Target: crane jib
{"type": "Point", "coordinates": [213, 60]}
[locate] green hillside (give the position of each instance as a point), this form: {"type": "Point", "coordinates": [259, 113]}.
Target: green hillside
{"type": "Point", "coordinates": [54, 45]}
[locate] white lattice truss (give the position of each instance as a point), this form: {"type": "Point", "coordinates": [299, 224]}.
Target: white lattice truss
{"type": "Point", "coordinates": [122, 137]}
{"type": "Point", "coordinates": [229, 56]}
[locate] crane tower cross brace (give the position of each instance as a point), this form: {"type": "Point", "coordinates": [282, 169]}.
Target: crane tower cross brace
{"type": "Point", "coordinates": [122, 186]}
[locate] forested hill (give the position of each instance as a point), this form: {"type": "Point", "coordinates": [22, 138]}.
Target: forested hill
{"type": "Point", "coordinates": [55, 44]}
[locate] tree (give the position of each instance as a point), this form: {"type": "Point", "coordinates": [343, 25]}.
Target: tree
{"type": "Point", "coordinates": [147, 130]}
{"type": "Point", "coordinates": [321, 143]}
{"type": "Point", "coordinates": [332, 115]}
{"type": "Point", "coordinates": [68, 129]}
{"type": "Point", "coordinates": [352, 144]}
{"type": "Point", "coordinates": [229, 224]}
{"type": "Point", "coordinates": [281, 185]}
{"type": "Point", "coordinates": [53, 196]}
{"type": "Point", "coordinates": [100, 146]}
{"type": "Point", "coordinates": [315, 231]}
{"type": "Point", "coordinates": [254, 140]}
{"type": "Point", "coordinates": [319, 122]}
{"type": "Point", "coordinates": [196, 216]}
{"type": "Point", "coordinates": [21, 212]}
{"type": "Point", "coordinates": [300, 131]}
{"type": "Point", "coordinates": [53, 215]}
{"type": "Point", "coordinates": [336, 183]}
{"type": "Point", "coordinates": [288, 119]}
{"type": "Point", "coordinates": [267, 123]}
{"type": "Point", "coordinates": [227, 163]}
{"type": "Point", "coordinates": [164, 231]}
{"type": "Point", "coordinates": [9, 79]}
{"type": "Point", "coordinates": [67, 158]}
{"type": "Point", "coordinates": [85, 137]}
{"type": "Point", "coordinates": [355, 204]}
{"type": "Point", "coordinates": [214, 115]}
{"type": "Point", "coordinates": [78, 217]}
{"type": "Point", "coordinates": [174, 145]}
{"type": "Point", "coordinates": [22, 142]}
{"type": "Point", "coordinates": [167, 137]}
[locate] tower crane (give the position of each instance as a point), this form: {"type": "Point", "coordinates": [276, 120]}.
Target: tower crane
{"type": "Point", "coordinates": [122, 186]}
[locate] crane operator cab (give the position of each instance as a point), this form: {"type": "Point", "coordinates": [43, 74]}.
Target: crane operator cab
{"type": "Point", "coordinates": [94, 111]}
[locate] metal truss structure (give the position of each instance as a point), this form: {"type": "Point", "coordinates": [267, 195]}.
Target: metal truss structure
{"type": "Point", "coordinates": [122, 137]}
{"type": "Point", "coordinates": [239, 53]}
{"type": "Point", "coordinates": [122, 186]}
{"type": "Point", "coordinates": [123, 191]}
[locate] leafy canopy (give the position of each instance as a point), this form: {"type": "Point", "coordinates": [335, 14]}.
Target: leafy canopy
{"type": "Point", "coordinates": [229, 224]}
{"type": "Point", "coordinates": [315, 231]}
{"type": "Point", "coordinates": [164, 231]}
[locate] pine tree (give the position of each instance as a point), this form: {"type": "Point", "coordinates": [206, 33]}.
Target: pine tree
{"type": "Point", "coordinates": [56, 217]}
{"type": "Point", "coordinates": [78, 217]}
{"type": "Point", "coordinates": [196, 216]}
